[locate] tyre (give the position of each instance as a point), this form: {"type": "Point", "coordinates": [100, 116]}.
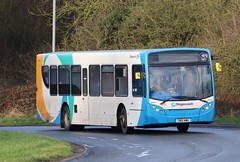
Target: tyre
{"type": "Point", "coordinates": [66, 118]}
{"type": "Point", "coordinates": [67, 123]}
{"type": "Point", "coordinates": [122, 117]}
{"type": "Point", "coordinates": [183, 127]}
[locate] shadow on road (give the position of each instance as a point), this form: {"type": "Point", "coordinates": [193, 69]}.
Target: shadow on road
{"type": "Point", "coordinates": [137, 131]}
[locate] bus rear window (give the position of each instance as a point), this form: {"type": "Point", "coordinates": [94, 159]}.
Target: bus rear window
{"type": "Point", "coordinates": [45, 75]}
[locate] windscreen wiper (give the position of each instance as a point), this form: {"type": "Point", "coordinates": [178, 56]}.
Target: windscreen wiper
{"type": "Point", "coordinates": [183, 97]}
{"type": "Point", "coordinates": [190, 98]}
{"type": "Point", "coordinates": [202, 100]}
{"type": "Point", "coordinates": [165, 100]}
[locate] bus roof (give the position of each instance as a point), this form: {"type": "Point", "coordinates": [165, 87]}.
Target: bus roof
{"type": "Point", "coordinates": [127, 51]}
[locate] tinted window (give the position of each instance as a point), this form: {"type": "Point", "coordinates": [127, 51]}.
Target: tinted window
{"type": "Point", "coordinates": [64, 79]}
{"type": "Point", "coordinates": [94, 80]}
{"type": "Point", "coordinates": [45, 75]}
{"type": "Point", "coordinates": [76, 80]}
{"type": "Point", "coordinates": [85, 92]}
{"type": "Point", "coordinates": [121, 80]}
{"type": "Point", "coordinates": [53, 80]}
{"type": "Point", "coordinates": [107, 80]}
{"type": "Point", "coordinates": [137, 80]}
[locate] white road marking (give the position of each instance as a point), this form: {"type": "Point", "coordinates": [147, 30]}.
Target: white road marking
{"type": "Point", "coordinates": [88, 146]}
{"type": "Point", "coordinates": [92, 138]}
{"type": "Point", "coordinates": [145, 153]}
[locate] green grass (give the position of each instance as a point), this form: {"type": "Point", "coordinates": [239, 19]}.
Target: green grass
{"type": "Point", "coordinates": [18, 146]}
{"type": "Point", "coordinates": [32, 120]}
{"type": "Point", "coordinates": [21, 121]}
{"type": "Point", "coordinates": [228, 120]}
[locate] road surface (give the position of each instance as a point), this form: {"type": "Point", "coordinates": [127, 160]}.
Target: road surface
{"type": "Point", "coordinates": [208, 144]}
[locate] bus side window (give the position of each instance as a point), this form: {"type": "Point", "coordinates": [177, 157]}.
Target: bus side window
{"type": "Point", "coordinates": [121, 80]}
{"type": "Point", "coordinates": [45, 75]}
{"type": "Point", "coordinates": [107, 80]}
{"type": "Point", "coordinates": [85, 85]}
{"type": "Point", "coordinates": [53, 80]}
{"type": "Point", "coordinates": [76, 80]}
{"type": "Point", "coordinates": [64, 79]}
{"type": "Point", "coordinates": [94, 80]}
{"type": "Point", "coordinates": [137, 81]}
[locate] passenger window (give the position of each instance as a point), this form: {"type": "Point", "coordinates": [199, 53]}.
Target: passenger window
{"type": "Point", "coordinates": [107, 80]}
{"type": "Point", "coordinates": [53, 80]}
{"type": "Point", "coordinates": [138, 81]}
{"type": "Point", "coordinates": [76, 80]}
{"type": "Point", "coordinates": [64, 79]}
{"type": "Point", "coordinates": [94, 80]}
{"type": "Point", "coordinates": [121, 80]}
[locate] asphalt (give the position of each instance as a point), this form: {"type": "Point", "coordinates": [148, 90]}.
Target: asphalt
{"type": "Point", "coordinates": [80, 150]}
{"type": "Point", "coordinates": [216, 125]}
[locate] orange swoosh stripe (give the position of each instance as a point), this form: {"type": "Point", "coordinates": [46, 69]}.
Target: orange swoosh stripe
{"type": "Point", "coordinates": [39, 95]}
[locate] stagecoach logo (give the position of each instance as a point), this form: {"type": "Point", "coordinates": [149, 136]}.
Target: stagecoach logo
{"type": "Point", "coordinates": [173, 104]}
{"type": "Point", "coordinates": [134, 56]}
{"type": "Point", "coordinates": [181, 104]}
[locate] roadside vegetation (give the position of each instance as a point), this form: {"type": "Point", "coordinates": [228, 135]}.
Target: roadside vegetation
{"type": "Point", "coordinates": [228, 120]}
{"type": "Point", "coordinates": [33, 121]}
{"type": "Point", "coordinates": [21, 121]}
{"type": "Point", "coordinates": [18, 146]}
{"type": "Point", "coordinates": [111, 24]}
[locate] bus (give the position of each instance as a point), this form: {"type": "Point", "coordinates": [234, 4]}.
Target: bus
{"type": "Point", "coordinates": [126, 89]}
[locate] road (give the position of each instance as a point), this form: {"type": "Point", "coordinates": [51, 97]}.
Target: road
{"type": "Point", "coordinates": [206, 144]}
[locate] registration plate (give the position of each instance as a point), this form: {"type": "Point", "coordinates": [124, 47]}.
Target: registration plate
{"type": "Point", "coordinates": [183, 120]}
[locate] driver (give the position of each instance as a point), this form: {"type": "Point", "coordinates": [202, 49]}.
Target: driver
{"type": "Point", "coordinates": [159, 92]}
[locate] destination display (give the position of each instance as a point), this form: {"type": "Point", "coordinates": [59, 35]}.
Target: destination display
{"type": "Point", "coordinates": [178, 57]}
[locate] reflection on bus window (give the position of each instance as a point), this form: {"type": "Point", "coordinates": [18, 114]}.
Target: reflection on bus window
{"type": "Point", "coordinates": [76, 80]}
{"type": "Point", "coordinates": [94, 80]}
{"type": "Point", "coordinates": [192, 81]}
{"type": "Point", "coordinates": [45, 75]}
{"type": "Point", "coordinates": [53, 80]}
{"type": "Point", "coordinates": [64, 79]}
{"type": "Point", "coordinates": [137, 81]}
{"type": "Point", "coordinates": [107, 80]}
{"type": "Point", "coordinates": [121, 80]}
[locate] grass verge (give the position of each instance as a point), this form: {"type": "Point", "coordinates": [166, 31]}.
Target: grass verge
{"type": "Point", "coordinates": [228, 120]}
{"type": "Point", "coordinates": [21, 121]}
{"type": "Point", "coordinates": [19, 146]}
{"type": "Point", "coordinates": [33, 121]}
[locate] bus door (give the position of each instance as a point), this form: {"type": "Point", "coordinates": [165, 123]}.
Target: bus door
{"type": "Point", "coordinates": [79, 91]}
{"type": "Point", "coordinates": [84, 98]}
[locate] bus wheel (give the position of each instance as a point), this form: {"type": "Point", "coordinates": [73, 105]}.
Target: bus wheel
{"type": "Point", "coordinates": [123, 122]}
{"type": "Point", "coordinates": [183, 127]}
{"type": "Point", "coordinates": [66, 121]}
{"type": "Point", "coordinates": [66, 118]}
